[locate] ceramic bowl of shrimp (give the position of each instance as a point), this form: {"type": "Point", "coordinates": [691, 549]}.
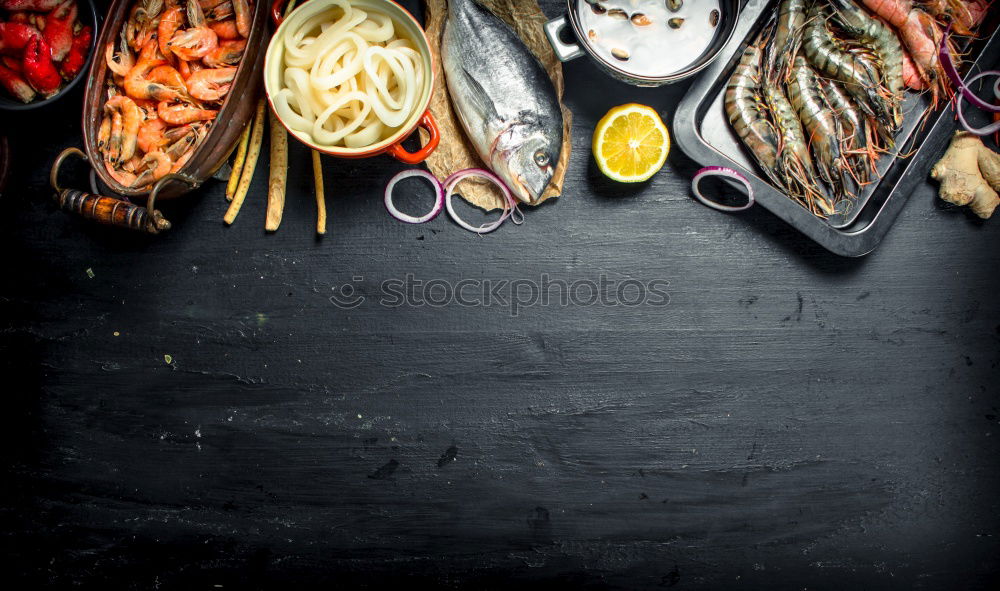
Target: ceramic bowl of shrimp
{"type": "Point", "coordinates": [170, 91]}
{"type": "Point", "coordinates": [351, 78]}
{"type": "Point", "coordinates": [35, 73]}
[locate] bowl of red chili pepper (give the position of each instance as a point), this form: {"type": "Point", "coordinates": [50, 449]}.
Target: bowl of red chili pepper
{"type": "Point", "coordinates": [45, 49]}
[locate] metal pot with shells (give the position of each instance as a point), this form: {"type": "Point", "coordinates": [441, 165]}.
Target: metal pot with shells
{"type": "Point", "coordinates": [645, 42]}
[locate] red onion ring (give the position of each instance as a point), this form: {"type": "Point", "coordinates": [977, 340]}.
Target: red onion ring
{"type": "Point", "coordinates": [510, 205]}
{"type": "Point", "coordinates": [728, 173]}
{"type": "Point", "coordinates": [964, 92]}
{"type": "Point", "coordinates": [944, 54]}
{"type": "Point", "coordinates": [409, 219]}
{"type": "Point", "coordinates": [980, 131]}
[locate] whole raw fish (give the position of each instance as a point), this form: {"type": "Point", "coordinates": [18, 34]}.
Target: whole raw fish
{"type": "Point", "coordinates": [503, 97]}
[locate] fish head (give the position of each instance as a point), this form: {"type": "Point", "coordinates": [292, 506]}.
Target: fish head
{"type": "Point", "coordinates": [528, 159]}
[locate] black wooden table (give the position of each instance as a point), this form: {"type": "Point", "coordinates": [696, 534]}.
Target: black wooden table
{"type": "Point", "coordinates": [197, 410]}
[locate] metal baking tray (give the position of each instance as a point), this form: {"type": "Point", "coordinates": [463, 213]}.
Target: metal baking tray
{"type": "Point", "coordinates": [701, 129]}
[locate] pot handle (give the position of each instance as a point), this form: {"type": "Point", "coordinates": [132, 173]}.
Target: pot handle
{"type": "Point", "coordinates": [278, 11]}
{"type": "Point", "coordinates": [428, 123]}
{"type": "Point", "coordinates": [564, 51]}
{"type": "Point", "coordinates": [109, 211]}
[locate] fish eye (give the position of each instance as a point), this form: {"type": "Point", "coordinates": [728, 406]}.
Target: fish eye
{"type": "Point", "coordinates": [541, 158]}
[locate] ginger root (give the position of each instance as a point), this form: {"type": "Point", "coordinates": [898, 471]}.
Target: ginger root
{"type": "Point", "coordinates": [970, 174]}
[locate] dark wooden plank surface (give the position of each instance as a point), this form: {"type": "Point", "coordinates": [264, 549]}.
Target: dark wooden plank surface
{"type": "Point", "coordinates": [788, 420]}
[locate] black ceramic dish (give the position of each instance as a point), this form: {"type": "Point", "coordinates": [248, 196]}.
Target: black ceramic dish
{"type": "Point", "coordinates": [86, 14]}
{"type": "Point", "coordinates": [4, 162]}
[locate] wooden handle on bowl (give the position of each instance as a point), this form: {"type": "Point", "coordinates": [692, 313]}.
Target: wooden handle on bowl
{"type": "Point", "coordinates": [108, 211]}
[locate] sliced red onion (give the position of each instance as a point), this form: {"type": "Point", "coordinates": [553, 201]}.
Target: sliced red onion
{"type": "Point", "coordinates": [409, 219]}
{"type": "Point", "coordinates": [509, 206]}
{"type": "Point", "coordinates": [944, 54]}
{"type": "Point", "coordinates": [965, 92]}
{"type": "Point", "coordinates": [728, 173]}
{"type": "Point", "coordinates": [991, 128]}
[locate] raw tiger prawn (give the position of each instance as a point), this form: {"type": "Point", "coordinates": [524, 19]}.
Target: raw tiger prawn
{"type": "Point", "coordinates": [859, 75]}
{"type": "Point", "coordinates": [817, 97]}
{"type": "Point", "coordinates": [169, 75]}
{"type": "Point", "coordinates": [786, 163]}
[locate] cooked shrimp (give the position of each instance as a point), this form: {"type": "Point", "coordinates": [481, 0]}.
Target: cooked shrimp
{"type": "Point", "coordinates": [242, 10]}
{"type": "Point", "coordinates": [181, 145]}
{"type": "Point", "coordinates": [181, 113]}
{"type": "Point", "coordinates": [122, 177]}
{"type": "Point", "coordinates": [200, 132]}
{"type": "Point", "coordinates": [228, 53]}
{"type": "Point", "coordinates": [195, 42]}
{"type": "Point", "coordinates": [131, 118]}
{"type": "Point", "coordinates": [151, 136]}
{"type": "Point", "coordinates": [168, 77]}
{"type": "Point", "coordinates": [173, 134]}
{"type": "Point", "coordinates": [152, 78]}
{"type": "Point", "coordinates": [150, 51]}
{"type": "Point", "coordinates": [155, 165]}
{"type": "Point", "coordinates": [148, 108]}
{"type": "Point", "coordinates": [121, 62]}
{"type": "Point", "coordinates": [180, 162]}
{"type": "Point", "coordinates": [172, 19]}
{"type": "Point", "coordinates": [138, 84]}
{"type": "Point", "coordinates": [133, 164]}
{"type": "Point", "coordinates": [211, 84]}
{"type": "Point", "coordinates": [103, 133]}
{"type": "Point", "coordinates": [226, 29]}
{"type": "Point", "coordinates": [220, 12]}
{"type": "Point", "coordinates": [115, 138]}
{"type": "Point", "coordinates": [140, 26]}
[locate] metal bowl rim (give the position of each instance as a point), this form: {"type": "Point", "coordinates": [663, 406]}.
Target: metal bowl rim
{"type": "Point", "coordinates": [571, 8]}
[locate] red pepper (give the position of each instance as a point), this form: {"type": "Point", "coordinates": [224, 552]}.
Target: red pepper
{"type": "Point", "coordinates": [39, 69]}
{"type": "Point", "coordinates": [77, 55]}
{"type": "Point", "coordinates": [15, 85]}
{"type": "Point", "coordinates": [58, 31]}
{"type": "Point", "coordinates": [14, 37]}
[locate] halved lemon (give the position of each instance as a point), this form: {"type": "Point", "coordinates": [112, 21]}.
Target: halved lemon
{"type": "Point", "coordinates": [631, 143]}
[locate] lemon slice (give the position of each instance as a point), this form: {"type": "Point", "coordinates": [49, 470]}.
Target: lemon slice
{"type": "Point", "coordinates": [631, 143]}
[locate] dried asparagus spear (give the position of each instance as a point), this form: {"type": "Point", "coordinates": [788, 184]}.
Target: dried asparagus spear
{"type": "Point", "coordinates": [241, 155]}
{"type": "Point", "coordinates": [279, 175]}
{"type": "Point", "coordinates": [278, 178]}
{"type": "Point", "coordinates": [320, 198]}
{"type": "Point", "coordinates": [246, 175]}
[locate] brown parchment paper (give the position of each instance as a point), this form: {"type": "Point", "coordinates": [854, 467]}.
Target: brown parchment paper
{"type": "Point", "coordinates": [455, 152]}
